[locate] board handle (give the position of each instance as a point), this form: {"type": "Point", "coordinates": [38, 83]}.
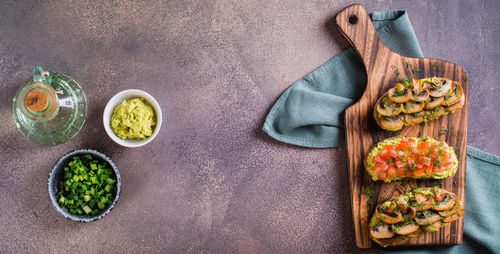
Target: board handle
{"type": "Point", "coordinates": [357, 27]}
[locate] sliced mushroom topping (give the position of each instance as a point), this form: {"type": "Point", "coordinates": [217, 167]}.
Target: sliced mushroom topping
{"type": "Point", "coordinates": [423, 202]}
{"type": "Point", "coordinates": [444, 202]}
{"type": "Point", "coordinates": [433, 102]}
{"type": "Point", "coordinates": [404, 228]}
{"type": "Point", "coordinates": [388, 242]}
{"type": "Point", "coordinates": [399, 93]}
{"type": "Point", "coordinates": [426, 217]}
{"type": "Point", "coordinates": [438, 87]}
{"type": "Point", "coordinates": [414, 118]}
{"type": "Point", "coordinates": [418, 86]}
{"type": "Point", "coordinates": [414, 234]}
{"type": "Point", "coordinates": [433, 227]}
{"type": "Point", "coordinates": [412, 107]}
{"type": "Point", "coordinates": [387, 107]}
{"type": "Point", "coordinates": [382, 213]}
{"type": "Point", "coordinates": [435, 113]}
{"type": "Point", "coordinates": [402, 203]}
{"type": "Point", "coordinates": [439, 194]}
{"type": "Point", "coordinates": [457, 105]}
{"type": "Point", "coordinates": [409, 213]}
{"type": "Point", "coordinates": [453, 94]}
{"type": "Point", "coordinates": [381, 231]}
{"type": "Point", "coordinates": [389, 123]}
{"type": "Point", "coordinates": [419, 93]}
{"type": "Point", "coordinates": [391, 208]}
{"type": "Point", "coordinates": [456, 215]}
{"type": "Point", "coordinates": [421, 97]}
{"type": "Point", "coordinates": [451, 211]}
{"type": "Point", "coordinates": [413, 223]}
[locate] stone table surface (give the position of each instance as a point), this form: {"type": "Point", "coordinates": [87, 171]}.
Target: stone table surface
{"type": "Point", "coordinates": [212, 181]}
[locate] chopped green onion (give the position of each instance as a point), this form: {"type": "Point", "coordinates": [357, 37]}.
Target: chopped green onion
{"type": "Point", "coordinates": [87, 209]}
{"type": "Point", "coordinates": [87, 182]}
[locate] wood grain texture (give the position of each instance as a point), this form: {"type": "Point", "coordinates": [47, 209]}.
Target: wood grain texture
{"type": "Point", "coordinates": [362, 132]}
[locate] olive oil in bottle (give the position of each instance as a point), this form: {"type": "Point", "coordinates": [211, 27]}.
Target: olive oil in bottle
{"type": "Point", "coordinates": [49, 108]}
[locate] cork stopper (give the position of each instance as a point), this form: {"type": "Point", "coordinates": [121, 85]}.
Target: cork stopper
{"type": "Point", "coordinates": [36, 101]}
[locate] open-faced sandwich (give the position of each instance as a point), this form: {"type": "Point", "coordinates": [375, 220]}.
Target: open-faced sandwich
{"type": "Point", "coordinates": [418, 101]}
{"type": "Point", "coordinates": [401, 157]}
{"type": "Point", "coordinates": [409, 214]}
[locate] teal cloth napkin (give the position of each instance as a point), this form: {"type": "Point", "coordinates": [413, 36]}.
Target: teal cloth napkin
{"type": "Point", "coordinates": [310, 113]}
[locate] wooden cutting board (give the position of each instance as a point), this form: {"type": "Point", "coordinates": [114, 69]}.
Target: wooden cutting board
{"type": "Point", "coordinates": [382, 65]}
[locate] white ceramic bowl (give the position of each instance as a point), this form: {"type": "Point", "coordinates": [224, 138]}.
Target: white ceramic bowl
{"type": "Point", "coordinates": [127, 95]}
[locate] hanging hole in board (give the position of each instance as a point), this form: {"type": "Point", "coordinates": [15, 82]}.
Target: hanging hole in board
{"type": "Point", "coordinates": [353, 19]}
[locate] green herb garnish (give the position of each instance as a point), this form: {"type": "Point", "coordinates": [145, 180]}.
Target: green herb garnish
{"type": "Point", "coordinates": [406, 82]}
{"type": "Point", "coordinates": [415, 71]}
{"type": "Point", "coordinates": [369, 192]}
{"type": "Point", "coordinates": [88, 186]}
{"type": "Point", "coordinates": [436, 182]}
{"type": "Point", "coordinates": [398, 93]}
{"type": "Point", "coordinates": [437, 162]}
{"type": "Point", "coordinates": [396, 71]}
{"type": "Point", "coordinates": [444, 131]}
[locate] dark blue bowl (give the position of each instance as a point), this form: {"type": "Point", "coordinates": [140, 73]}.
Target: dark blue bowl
{"type": "Point", "coordinates": [57, 174]}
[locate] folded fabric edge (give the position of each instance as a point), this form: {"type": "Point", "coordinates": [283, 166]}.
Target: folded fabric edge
{"type": "Point", "coordinates": [267, 128]}
{"type": "Point", "coordinates": [386, 15]}
{"type": "Point", "coordinates": [484, 156]}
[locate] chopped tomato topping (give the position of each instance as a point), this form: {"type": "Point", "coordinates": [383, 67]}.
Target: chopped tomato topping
{"type": "Point", "coordinates": [403, 144]}
{"type": "Point", "coordinates": [399, 165]}
{"type": "Point", "coordinates": [440, 169]}
{"type": "Point", "coordinates": [384, 154]}
{"type": "Point", "coordinates": [391, 172]}
{"type": "Point", "coordinates": [412, 156]}
{"type": "Point", "coordinates": [378, 160]}
{"type": "Point", "coordinates": [424, 146]}
{"type": "Point", "coordinates": [382, 175]}
{"type": "Point", "coordinates": [377, 168]}
{"type": "Point", "coordinates": [412, 142]}
{"type": "Point", "coordinates": [393, 153]}
{"type": "Point", "coordinates": [418, 172]}
{"type": "Point", "coordinates": [389, 147]}
{"type": "Point", "coordinates": [384, 167]}
{"type": "Point", "coordinates": [400, 171]}
{"type": "Point", "coordinates": [428, 170]}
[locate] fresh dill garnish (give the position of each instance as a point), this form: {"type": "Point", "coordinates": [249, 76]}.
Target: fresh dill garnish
{"type": "Point", "coordinates": [396, 71]}
{"type": "Point", "coordinates": [444, 131]}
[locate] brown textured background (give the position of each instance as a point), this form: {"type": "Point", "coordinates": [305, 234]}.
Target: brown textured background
{"type": "Point", "coordinates": [212, 181]}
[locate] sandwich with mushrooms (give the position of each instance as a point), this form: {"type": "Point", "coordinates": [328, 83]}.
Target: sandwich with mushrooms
{"type": "Point", "coordinates": [410, 157]}
{"type": "Point", "coordinates": [421, 100]}
{"type": "Point", "coordinates": [410, 214]}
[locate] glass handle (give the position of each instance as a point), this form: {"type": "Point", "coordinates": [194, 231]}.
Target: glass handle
{"type": "Point", "coordinates": [38, 74]}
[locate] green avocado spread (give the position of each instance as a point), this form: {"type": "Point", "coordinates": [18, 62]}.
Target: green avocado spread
{"type": "Point", "coordinates": [133, 119]}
